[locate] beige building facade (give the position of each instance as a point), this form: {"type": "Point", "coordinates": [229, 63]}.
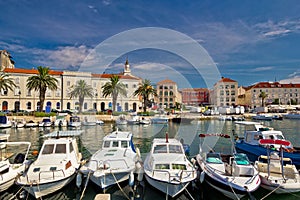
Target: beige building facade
{"type": "Point", "coordinates": [224, 93]}
{"type": "Point", "coordinates": [167, 94]}
{"type": "Point", "coordinates": [23, 99]}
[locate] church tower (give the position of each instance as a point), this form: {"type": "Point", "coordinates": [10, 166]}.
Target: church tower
{"type": "Point", "coordinates": [127, 68]}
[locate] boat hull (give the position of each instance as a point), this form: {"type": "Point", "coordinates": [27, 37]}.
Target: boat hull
{"type": "Point", "coordinates": [284, 188]}
{"type": "Point", "coordinates": [43, 189]}
{"type": "Point", "coordinates": [167, 188]}
{"type": "Point", "coordinates": [107, 180]}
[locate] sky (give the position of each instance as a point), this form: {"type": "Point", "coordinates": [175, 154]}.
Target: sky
{"type": "Point", "coordinates": [190, 42]}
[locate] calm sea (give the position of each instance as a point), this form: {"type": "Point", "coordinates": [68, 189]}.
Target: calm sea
{"type": "Point", "coordinates": [143, 135]}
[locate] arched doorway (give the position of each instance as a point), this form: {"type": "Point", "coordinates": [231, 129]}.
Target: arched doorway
{"type": "Point", "coordinates": [102, 106]}
{"type": "Point", "coordinates": [68, 105]}
{"type": "Point", "coordinates": [126, 106]}
{"type": "Point", "coordinates": [4, 105]}
{"type": "Point", "coordinates": [17, 106]}
{"type": "Point", "coordinates": [134, 107]}
{"type": "Point", "coordinates": [95, 106]}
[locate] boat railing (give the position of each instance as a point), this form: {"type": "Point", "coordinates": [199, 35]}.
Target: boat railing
{"type": "Point", "coordinates": [173, 177]}
{"type": "Point", "coordinates": [101, 164]}
{"type": "Point", "coordinates": [50, 171]}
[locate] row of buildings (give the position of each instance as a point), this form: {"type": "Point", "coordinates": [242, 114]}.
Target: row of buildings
{"type": "Point", "coordinates": [226, 92]}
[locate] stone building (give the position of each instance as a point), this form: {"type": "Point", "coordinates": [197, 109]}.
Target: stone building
{"type": "Point", "coordinates": [194, 96]}
{"type": "Point", "coordinates": [167, 94]}
{"type": "Point", "coordinates": [224, 93]}
{"type": "Point", "coordinates": [21, 99]}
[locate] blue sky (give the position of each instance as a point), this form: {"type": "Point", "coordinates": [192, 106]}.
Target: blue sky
{"type": "Point", "coordinates": [249, 41]}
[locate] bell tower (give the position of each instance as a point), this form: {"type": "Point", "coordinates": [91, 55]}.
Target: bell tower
{"type": "Point", "coordinates": [127, 68]}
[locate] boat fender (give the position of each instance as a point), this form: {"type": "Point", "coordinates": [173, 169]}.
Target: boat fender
{"type": "Point", "coordinates": [78, 180]}
{"type": "Point", "coordinates": [131, 179]}
{"type": "Point", "coordinates": [202, 176]}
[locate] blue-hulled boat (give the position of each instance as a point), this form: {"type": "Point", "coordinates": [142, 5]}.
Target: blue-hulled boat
{"type": "Point", "coordinates": [249, 144]}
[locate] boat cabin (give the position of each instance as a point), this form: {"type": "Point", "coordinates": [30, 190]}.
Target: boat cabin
{"type": "Point", "coordinates": [122, 140]}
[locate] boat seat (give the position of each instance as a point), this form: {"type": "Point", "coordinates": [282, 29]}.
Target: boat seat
{"type": "Point", "coordinates": [214, 158]}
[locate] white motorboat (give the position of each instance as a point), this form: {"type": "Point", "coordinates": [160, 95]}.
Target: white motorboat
{"type": "Point", "coordinates": [167, 168]}
{"type": "Point", "coordinates": [134, 120]}
{"type": "Point", "coordinates": [46, 122]}
{"type": "Point", "coordinates": [121, 120]}
{"type": "Point", "coordinates": [19, 123]}
{"type": "Point", "coordinates": [261, 116]}
{"type": "Point", "coordinates": [160, 120]}
{"type": "Point", "coordinates": [5, 122]}
{"type": "Point", "coordinates": [12, 163]}
{"type": "Point", "coordinates": [114, 162]}
{"type": "Point", "coordinates": [60, 121]}
{"type": "Point", "coordinates": [31, 124]}
{"type": "Point", "coordinates": [144, 121]}
{"type": "Point", "coordinates": [74, 122]}
{"type": "Point", "coordinates": [99, 122]}
{"type": "Point", "coordinates": [89, 121]}
{"type": "Point", "coordinates": [232, 174]}
{"type": "Point", "coordinates": [278, 174]}
{"type": "Point", "coordinates": [56, 165]}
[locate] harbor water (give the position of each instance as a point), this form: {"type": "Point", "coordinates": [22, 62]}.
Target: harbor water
{"type": "Point", "coordinates": [91, 140]}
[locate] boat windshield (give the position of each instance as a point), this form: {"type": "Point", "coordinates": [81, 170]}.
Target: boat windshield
{"type": "Point", "coordinates": [160, 149]}
{"type": "Point", "coordinates": [214, 158]}
{"type": "Point", "coordinates": [241, 159]}
{"type": "Point", "coordinates": [175, 149]}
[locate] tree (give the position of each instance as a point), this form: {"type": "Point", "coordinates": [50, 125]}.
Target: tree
{"type": "Point", "coordinates": [41, 82]}
{"type": "Point", "coordinates": [6, 83]}
{"type": "Point", "coordinates": [145, 90]}
{"type": "Point", "coordinates": [81, 89]}
{"type": "Point", "coordinates": [263, 95]}
{"type": "Point", "coordinates": [114, 88]}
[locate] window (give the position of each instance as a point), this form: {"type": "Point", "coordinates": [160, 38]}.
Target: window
{"type": "Point", "coordinates": [162, 166]}
{"type": "Point", "coordinates": [28, 105]}
{"type": "Point", "coordinates": [232, 86]}
{"type": "Point", "coordinates": [221, 92]}
{"type": "Point", "coordinates": [166, 87]}
{"type": "Point", "coordinates": [171, 87]}
{"type": "Point", "coordinates": [28, 93]}
{"type": "Point", "coordinates": [134, 86]}
{"type": "Point", "coordinates": [68, 83]}
{"type": "Point", "coordinates": [124, 144]}
{"type": "Point", "coordinates": [48, 149]}
{"type": "Point", "coordinates": [160, 149]}
{"type": "Point", "coordinates": [17, 80]}
{"type": "Point", "coordinates": [58, 105]}
{"type": "Point", "coordinates": [94, 84]}
{"type": "Point", "coordinates": [60, 148]}
{"type": "Point", "coordinates": [171, 93]}
{"type": "Point", "coordinates": [71, 147]}
{"type": "Point", "coordinates": [174, 149]}
{"type": "Point", "coordinates": [166, 99]}
{"type": "Point", "coordinates": [232, 92]}
{"type": "Point", "coordinates": [171, 99]}
{"type": "Point", "coordinates": [160, 87]}
{"type": "Point", "coordinates": [166, 93]}
{"type": "Point", "coordinates": [160, 93]}
{"type": "Point", "coordinates": [106, 144]}
{"type": "Point", "coordinates": [115, 144]}
{"type": "Point", "coordinates": [85, 105]}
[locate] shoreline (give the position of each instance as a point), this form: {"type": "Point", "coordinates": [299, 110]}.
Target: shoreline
{"type": "Point", "coordinates": [111, 119]}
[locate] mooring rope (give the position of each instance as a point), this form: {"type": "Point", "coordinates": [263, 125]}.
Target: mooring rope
{"type": "Point", "coordinates": [86, 183]}
{"type": "Point", "coordinates": [119, 186]}
{"type": "Point", "coordinates": [234, 192]}
{"type": "Point", "coordinates": [270, 192]}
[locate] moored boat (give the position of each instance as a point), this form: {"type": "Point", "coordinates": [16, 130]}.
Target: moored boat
{"type": "Point", "coordinates": [167, 168]}
{"type": "Point", "coordinates": [249, 143]}
{"type": "Point", "coordinates": [115, 162]}
{"type": "Point", "coordinates": [74, 122]}
{"type": "Point", "coordinates": [12, 164]}
{"type": "Point", "coordinates": [5, 122]}
{"type": "Point", "coordinates": [278, 174]}
{"type": "Point", "coordinates": [231, 174]}
{"type": "Point", "coordinates": [56, 165]}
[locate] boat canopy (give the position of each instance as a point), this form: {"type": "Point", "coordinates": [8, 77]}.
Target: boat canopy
{"type": "Point", "coordinates": [64, 133]}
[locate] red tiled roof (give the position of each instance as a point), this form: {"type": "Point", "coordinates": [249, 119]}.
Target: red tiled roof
{"type": "Point", "coordinates": [29, 71]}
{"type": "Point", "coordinates": [165, 81]}
{"type": "Point", "coordinates": [273, 85]}
{"type": "Point", "coordinates": [226, 80]}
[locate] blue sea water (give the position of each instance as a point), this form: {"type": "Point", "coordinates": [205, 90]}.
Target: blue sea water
{"type": "Point", "coordinates": [143, 135]}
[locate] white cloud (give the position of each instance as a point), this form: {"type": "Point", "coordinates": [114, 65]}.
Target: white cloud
{"type": "Point", "coordinates": [259, 69]}
{"type": "Point", "coordinates": [292, 78]}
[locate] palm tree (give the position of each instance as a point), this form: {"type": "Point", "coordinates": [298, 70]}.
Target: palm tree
{"type": "Point", "coordinates": [41, 82]}
{"type": "Point", "coordinates": [81, 89]}
{"type": "Point", "coordinates": [145, 90]}
{"type": "Point", "coordinates": [6, 83]}
{"type": "Point", "coordinates": [114, 88]}
{"type": "Point", "coordinates": [263, 95]}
